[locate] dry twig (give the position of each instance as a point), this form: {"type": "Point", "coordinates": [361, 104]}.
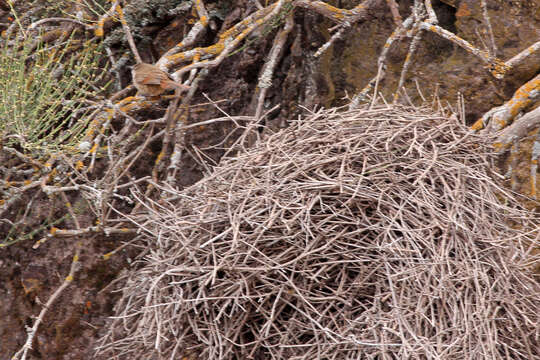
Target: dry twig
{"type": "Point", "coordinates": [368, 233]}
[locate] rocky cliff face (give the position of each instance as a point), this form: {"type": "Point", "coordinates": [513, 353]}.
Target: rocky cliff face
{"type": "Point", "coordinates": [438, 66]}
{"type": "Point", "coordinates": [439, 70]}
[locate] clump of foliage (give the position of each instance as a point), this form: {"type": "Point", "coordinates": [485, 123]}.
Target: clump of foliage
{"type": "Point", "coordinates": [45, 93]}
{"type": "Point", "coordinates": [48, 93]}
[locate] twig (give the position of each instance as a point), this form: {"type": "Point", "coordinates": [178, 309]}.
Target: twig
{"type": "Point", "coordinates": [294, 248]}
{"type": "Point", "coordinates": [405, 68]}
{"type": "Point", "coordinates": [267, 72]}
{"type": "Point", "coordinates": [395, 12]}
{"type": "Point", "coordinates": [490, 29]}
{"type": "Point", "coordinates": [127, 32]}
{"type": "Point", "coordinates": [56, 19]}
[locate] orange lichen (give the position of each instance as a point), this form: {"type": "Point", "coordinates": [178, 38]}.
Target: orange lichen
{"type": "Point", "coordinates": [120, 12]}
{"type": "Point", "coordinates": [94, 148]}
{"type": "Point", "coordinates": [99, 32]}
{"type": "Point", "coordinates": [128, 107]}
{"type": "Point", "coordinates": [214, 49]}
{"type": "Point", "coordinates": [179, 56]}
{"type": "Point", "coordinates": [463, 10]}
{"type": "Point", "coordinates": [204, 20]}
{"type": "Point", "coordinates": [87, 307]}
{"type": "Point", "coordinates": [498, 146]}
{"type": "Point", "coordinates": [499, 68]}
{"type": "Point", "coordinates": [159, 157]}
{"type": "Point", "coordinates": [337, 13]}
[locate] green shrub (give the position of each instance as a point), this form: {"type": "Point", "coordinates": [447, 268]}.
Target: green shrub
{"type": "Point", "coordinates": [44, 94]}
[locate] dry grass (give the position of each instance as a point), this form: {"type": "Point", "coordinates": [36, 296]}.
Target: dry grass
{"type": "Point", "coordinates": [368, 234]}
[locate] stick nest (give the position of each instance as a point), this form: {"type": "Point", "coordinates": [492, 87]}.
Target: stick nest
{"type": "Point", "coordinates": [376, 234]}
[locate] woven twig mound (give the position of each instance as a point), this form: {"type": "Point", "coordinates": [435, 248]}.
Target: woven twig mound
{"type": "Point", "coordinates": [367, 234]}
